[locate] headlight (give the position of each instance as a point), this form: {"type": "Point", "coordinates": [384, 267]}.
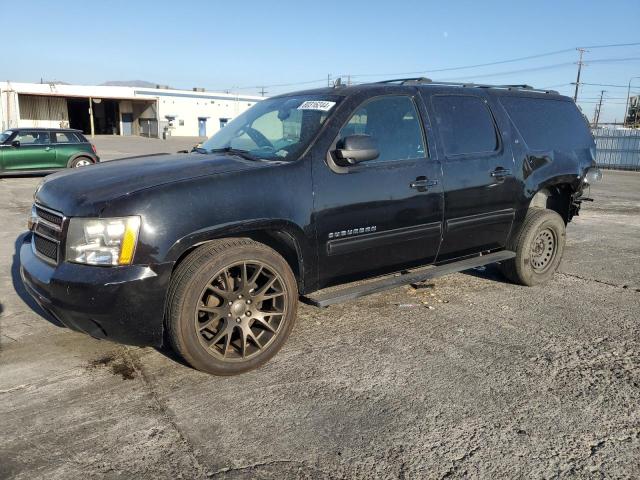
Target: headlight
{"type": "Point", "coordinates": [593, 175]}
{"type": "Point", "coordinates": [102, 241]}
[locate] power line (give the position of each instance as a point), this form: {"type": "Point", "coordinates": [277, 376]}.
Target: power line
{"type": "Point", "coordinates": [500, 62]}
{"type": "Point", "coordinates": [614, 45]}
{"type": "Point", "coordinates": [604, 85]}
{"type": "Point", "coordinates": [511, 72]}
{"type": "Point", "coordinates": [464, 67]}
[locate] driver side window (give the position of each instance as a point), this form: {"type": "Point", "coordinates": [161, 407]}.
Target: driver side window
{"type": "Point", "coordinates": [393, 122]}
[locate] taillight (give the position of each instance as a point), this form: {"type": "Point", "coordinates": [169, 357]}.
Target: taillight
{"type": "Point", "coordinates": [93, 147]}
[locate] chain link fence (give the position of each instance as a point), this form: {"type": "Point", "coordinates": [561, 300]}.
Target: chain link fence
{"type": "Point", "coordinates": [617, 149]}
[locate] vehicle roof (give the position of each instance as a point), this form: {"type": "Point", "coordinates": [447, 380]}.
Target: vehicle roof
{"type": "Point", "coordinates": [40, 129]}
{"type": "Point", "coordinates": [440, 87]}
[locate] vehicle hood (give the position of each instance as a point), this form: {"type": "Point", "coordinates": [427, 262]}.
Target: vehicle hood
{"type": "Point", "coordinates": [85, 191]}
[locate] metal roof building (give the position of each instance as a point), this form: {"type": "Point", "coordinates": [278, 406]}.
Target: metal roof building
{"type": "Point", "coordinates": [117, 110]}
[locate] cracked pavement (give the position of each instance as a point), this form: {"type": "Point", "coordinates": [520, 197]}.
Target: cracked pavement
{"type": "Point", "coordinates": [467, 376]}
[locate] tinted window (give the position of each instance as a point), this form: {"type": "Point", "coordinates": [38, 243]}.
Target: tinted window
{"type": "Point", "coordinates": [548, 124]}
{"type": "Point", "coordinates": [465, 124]}
{"type": "Point", "coordinates": [4, 136]}
{"type": "Point", "coordinates": [66, 137]}
{"type": "Point", "coordinates": [393, 122]}
{"type": "Point", "coordinates": [32, 138]}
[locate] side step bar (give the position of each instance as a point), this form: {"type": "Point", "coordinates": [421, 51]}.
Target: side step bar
{"type": "Point", "coordinates": [386, 283]}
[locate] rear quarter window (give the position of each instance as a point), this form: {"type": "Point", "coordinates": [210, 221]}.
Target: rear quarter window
{"type": "Point", "coordinates": [67, 137]}
{"type": "Point", "coordinates": [548, 124]}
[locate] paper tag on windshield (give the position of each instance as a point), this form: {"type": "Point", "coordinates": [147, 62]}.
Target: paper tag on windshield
{"type": "Point", "coordinates": [321, 105]}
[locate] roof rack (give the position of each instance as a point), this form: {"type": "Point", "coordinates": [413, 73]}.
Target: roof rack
{"type": "Point", "coordinates": [423, 80]}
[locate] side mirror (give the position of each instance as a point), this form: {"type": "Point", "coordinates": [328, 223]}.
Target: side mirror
{"type": "Point", "coordinates": [356, 148]}
{"type": "Point", "coordinates": [15, 143]}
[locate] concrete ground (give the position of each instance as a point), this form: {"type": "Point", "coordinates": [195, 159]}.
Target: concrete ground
{"type": "Point", "coordinates": [110, 147]}
{"type": "Point", "coordinates": [467, 377]}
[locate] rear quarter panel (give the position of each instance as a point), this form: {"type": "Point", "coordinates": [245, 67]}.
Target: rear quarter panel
{"type": "Point", "coordinates": [65, 152]}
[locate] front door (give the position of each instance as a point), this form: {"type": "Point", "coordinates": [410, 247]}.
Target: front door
{"type": "Point", "coordinates": [34, 153]}
{"type": "Point", "coordinates": [202, 127]}
{"type": "Point", "coordinates": [127, 124]}
{"type": "Point", "coordinates": [478, 173]}
{"type": "Point", "coordinates": [381, 215]}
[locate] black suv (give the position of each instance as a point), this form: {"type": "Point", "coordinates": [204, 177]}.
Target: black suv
{"type": "Point", "coordinates": [209, 251]}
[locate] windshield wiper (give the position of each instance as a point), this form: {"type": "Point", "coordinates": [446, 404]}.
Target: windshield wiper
{"type": "Point", "coordinates": [235, 151]}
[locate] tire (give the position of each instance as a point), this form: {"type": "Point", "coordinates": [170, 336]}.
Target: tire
{"type": "Point", "coordinates": [231, 306]}
{"type": "Point", "coordinates": [539, 246]}
{"type": "Point", "coordinates": [80, 162]}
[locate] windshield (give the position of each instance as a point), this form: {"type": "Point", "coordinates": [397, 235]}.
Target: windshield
{"type": "Point", "coordinates": [274, 129]}
{"type": "Point", "coordinates": [4, 136]}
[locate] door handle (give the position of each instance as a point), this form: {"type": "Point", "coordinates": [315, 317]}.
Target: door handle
{"type": "Point", "coordinates": [500, 172]}
{"type": "Point", "coordinates": [422, 184]}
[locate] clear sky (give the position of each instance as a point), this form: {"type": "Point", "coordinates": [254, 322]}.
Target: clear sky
{"type": "Point", "coordinates": [233, 45]}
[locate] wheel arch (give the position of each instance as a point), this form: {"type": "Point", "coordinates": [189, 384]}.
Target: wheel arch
{"type": "Point", "coordinates": [77, 155]}
{"type": "Point", "coordinates": [556, 195]}
{"type": "Point", "coordinates": [287, 239]}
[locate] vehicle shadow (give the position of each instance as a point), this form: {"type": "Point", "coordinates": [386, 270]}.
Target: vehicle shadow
{"type": "Point", "coordinates": [21, 290]}
{"type": "Point", "coordinates": [168, 352]}
{"type": "Point", "coordinates": [488, 272]}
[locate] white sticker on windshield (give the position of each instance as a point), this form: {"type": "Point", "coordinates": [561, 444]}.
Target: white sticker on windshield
{"type": "Point", "coordinates": [322, 105]}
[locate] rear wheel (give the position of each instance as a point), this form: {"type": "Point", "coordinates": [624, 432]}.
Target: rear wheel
{"type": "Point", "coordinates": [538, 245]}
{"type": "Point", "coordinates": [80, 162]}
{"type": "Point", "coordinates": [231, 306]}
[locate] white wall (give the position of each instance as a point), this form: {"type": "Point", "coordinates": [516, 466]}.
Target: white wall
{"type": "Point", "coordinates": [187, 110]}
{"type": "Point", "coordinates": [185, 105]}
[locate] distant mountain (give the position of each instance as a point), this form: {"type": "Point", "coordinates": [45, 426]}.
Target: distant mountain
{"type": "Point", "coordinates": [129, 83]}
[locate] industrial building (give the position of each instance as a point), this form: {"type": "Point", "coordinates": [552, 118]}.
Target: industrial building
{"type": "Point", "coordinates": [117, 110]}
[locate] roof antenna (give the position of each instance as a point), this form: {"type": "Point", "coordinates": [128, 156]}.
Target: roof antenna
{"type": "Point", "coordinates": [338, 83]}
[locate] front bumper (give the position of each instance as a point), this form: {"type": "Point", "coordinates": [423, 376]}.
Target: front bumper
{"type": "Point", "coordinates": [122, 304]}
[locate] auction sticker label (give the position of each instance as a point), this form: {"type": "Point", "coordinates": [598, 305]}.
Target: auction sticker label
{"type": "Point", "coordinates": [322, 105]}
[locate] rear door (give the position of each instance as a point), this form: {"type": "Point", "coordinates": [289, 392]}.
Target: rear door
{"type": "Point", "coordinates": [383, 214]}
{"type": "Point", "coordinates": [480, 188]}
{"type": "Point", "coordinates": [34, 153]}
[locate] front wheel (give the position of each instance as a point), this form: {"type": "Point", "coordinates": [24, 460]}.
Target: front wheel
{"type": "Point", "coordinates": [538, 245]}
{"type": "Point", "coordinates": [231, 306]}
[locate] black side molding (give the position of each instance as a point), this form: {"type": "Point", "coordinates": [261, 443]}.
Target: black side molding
{"type": "Point", "coordinates": [473, 221]}
{"type": "Point", "coordinates": [350, 293]}
{"type": "Point", "coordinates": [341, 246]}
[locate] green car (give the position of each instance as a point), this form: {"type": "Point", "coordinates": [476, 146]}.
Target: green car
{"type": "Point", "coordinates": [42, 150]}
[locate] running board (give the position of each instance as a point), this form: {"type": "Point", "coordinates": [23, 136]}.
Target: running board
{"type": "Point", "coordinates": [386, 283]}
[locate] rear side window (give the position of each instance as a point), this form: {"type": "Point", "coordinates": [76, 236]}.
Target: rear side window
{"type": "Point", "coordinates": [548, 124]}
{"type": "Point", "coordinates": [465, 123]}
{"type": "Point", "coordinates": [393, 122]}
{"type": "Point", "coordinates": [66, 137]}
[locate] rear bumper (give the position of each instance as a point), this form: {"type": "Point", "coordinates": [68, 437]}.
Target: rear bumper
{"type": "Point", "coordinates": [122, 304]}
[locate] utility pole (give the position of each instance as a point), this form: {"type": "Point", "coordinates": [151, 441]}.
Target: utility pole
{"type": "Point", "coordinates": [580, 63]}
{"type": "Point", "coordinates": [626, 104]}
{"type": "Point", "coordinates": [328, 79]}
{"type": "Point", "coordinates": [596, 114]}
{"type": "Point", "coordinates": [348, 80]}
{"type": "Point", "coordinates": [262, 91]}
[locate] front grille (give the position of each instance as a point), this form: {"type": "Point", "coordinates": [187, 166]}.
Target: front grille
{"type": "Point", "coordinates": [47, 233]}
{"type": "Point", "coordinates": [49, 216]}
{"type": "Point", "coordinates": [46, 247]}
